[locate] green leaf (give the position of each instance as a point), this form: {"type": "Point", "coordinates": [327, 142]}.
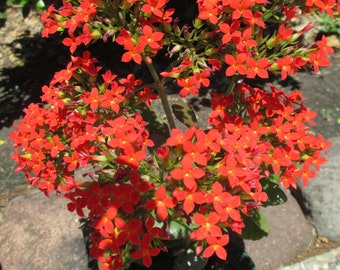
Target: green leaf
{"type": "Point", "coordinates": [244, 262]}
{"type": "Point", "coordinates": [187, 259]}
{"type": "Point", "coordinates": [275, 178]}
{"type": "Point", "coordinates": [256, 225]}
{"type": "Point", "coordinates": [276, 195]}
{"type": "Point", "coordinates": [3, 16]}
{"type": "Point", "coordinates": [184, 113]}
{"type": "Point", "coordinates": [240, 261]}
{"type": "Point", "coordinates": [178, 230]}
{"type": "Point", "coordinates": [159, 131]}
{"type": "Point", "coordinates": [40, 5]}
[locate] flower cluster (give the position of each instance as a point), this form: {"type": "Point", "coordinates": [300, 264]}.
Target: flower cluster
{"type": "Point", "coordinates": [144, 184]}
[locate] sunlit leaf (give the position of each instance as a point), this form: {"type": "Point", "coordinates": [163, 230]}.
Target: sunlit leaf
{"type": "Point", "coordinates": [184, 113]}
{"type": "Point", "coordinates": [178, 230]}
{"type": "Point", "coordinates": [276, 195]}
{"type": "Point", "coordinates": [256, 226]}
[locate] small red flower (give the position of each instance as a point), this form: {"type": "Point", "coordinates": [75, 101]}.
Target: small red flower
{"type": "Point", "coordinates": [258, 68]}
{"type": "Point", "coordinates": [190, 198]}
{"type": "Point", "coordinates": [216, 246]}
{"type": "Point", "coordinates": [187, 173]}
{"type": "Point", "coordinates": [188, 86]}
{"type": "Point", "coordinates": [161, 203]}
{"type": "Point", "coordinates": [133, 52]}
{"type": "Point", "coordinates": [151, 38]}
{"type": "Point", "coordinates": [207, 226]}
{"type": "Point", "coordinates": [72, 42]}
{"type": "Point", "coordinates": [146, 251]}
{"type": "Point", "coordinates": [131, 157]}
{"type": "Point", "coordinates": [236, 65]}
{"type": "Point", "coordinates": [146, 95]}
{"type": "Point", "coordinates": [286, 65]}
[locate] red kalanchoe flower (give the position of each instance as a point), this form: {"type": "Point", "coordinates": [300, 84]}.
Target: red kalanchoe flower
{"type": "Point", "coordinates": [146, 251]}
{"type": "Point", "coordinates": [216, 246]}
{"type": "Point", "coordinates": [161, 203]}
{"type": "Point", "coordinates": [187, 173]}
{"type": "Point", "coordinates": [208, 226]}
{"type": "Point", "coordinates": [236, 65]}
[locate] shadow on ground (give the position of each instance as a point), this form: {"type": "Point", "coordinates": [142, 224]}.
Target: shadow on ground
{"type": "Point", "coordinates": [21, 84]}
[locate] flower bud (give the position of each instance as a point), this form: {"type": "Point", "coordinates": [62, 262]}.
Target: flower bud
{"type": "Point", "coordinates": [210, 51]}
{"type": "Point", "coordinates": [96, 35]}
{"type": "Point", "coordinates": [274, 67]}
{"type": "Point", "coordinates": [100, 158]}
{"type": "Point", "coordinates": [166, 27]}
{"type": "Point", "coordinates": [197, 23]}
{"type": "Point", "coordinates": [163, 152]}
{"type": "Point", "coordinates": [175, 49]}
{"type": "Point", "coordinates": [272, 42]}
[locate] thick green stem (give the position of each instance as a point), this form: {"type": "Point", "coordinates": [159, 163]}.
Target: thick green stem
{"type": "Point", "coordinates": [161, 92]}
{"type": "Point", "coordinates": [232, 84]}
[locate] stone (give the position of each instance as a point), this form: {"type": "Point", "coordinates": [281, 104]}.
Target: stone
{"type": "Point", "coordinates": [333, 41]}
{"type": "Point", "coordinates": [40, 233]}
{"type": "Point", "coordinates": [290, 234]}
{"type": "Point", "coordinates": [329, 260]}
{"type": "Point", "coordinates": [321, 197]}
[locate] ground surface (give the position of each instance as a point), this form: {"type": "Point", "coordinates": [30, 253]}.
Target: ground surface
{"type": "Point", "coordinates": [27, 62]}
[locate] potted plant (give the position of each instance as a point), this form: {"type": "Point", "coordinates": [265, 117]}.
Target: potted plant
{"type": "Point", "coordinates": [159, 181]}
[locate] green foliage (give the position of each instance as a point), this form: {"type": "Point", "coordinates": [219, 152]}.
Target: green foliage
{"type": "Point", "coordinates": [330, 25]}
{"type": "Point", "coordinates": [178, 230]}
{"type": "Point", "coordinates": [276, 196]}
{"type": "Point", "coordinates": [186, 257]}
{"type": "Point", "coordinates": [184, 113]}
{"type": "Point", "coordinates": [256, 226]}
{"type": "Point", "coordinates": [241, 261]}
{"type": "Point", "coordinates": [160, 130]}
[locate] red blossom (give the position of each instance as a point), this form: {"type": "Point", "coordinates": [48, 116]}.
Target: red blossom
{"type": "Point", "coordinates": [286, 66]}
{"type": "Point", "coordinates": [130, 231]}
{"type": "Point", "coordinates": [196, 151]}
{"type": "Point", "coordinates": [188, 86]}
{"type": "Point", "coordinates": [72, 161]}
{"type": "Point", "coordinates": [190, 198]}
{"type": "Point", "coordinates": [216, 246]}
{"type": "Point", "coordinates": [236, 65]}
{"type": "Point", "coordinates": [161, 203]}
{"type": "Point", "coordinates": [209, 10]}
{"type": "Point", "coordinates": [146, 251]}
{"type": "Point", "coordinates": [258, 68]}
{"type": "Point", "coordinates": [224, 203]}
{"type": "Point", "coordinates": [133, 52]}
{"type": "Point", "coordinates": [55, 146]}
{"type": "Point", "coordinates": [284, 33]}
{"type": "Point", "coordinates": [177, 137]}
{"type": "Point", "coordinates": [187, 173]}
{"type": "Point", "coordinates": [207, 226]}
{"type": "Point", "coordinates": [151, 38]}
{"type": "Point", "coordinates": [234, 171]}
{"type": "Point", "coordinates": [131, 157]}
{"type": "Point", "coordinates": [72, 42]}
{"type": "Point", "coordinates": [146, 95]}
{"type": "Point", "coordinates": [105, 222]}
